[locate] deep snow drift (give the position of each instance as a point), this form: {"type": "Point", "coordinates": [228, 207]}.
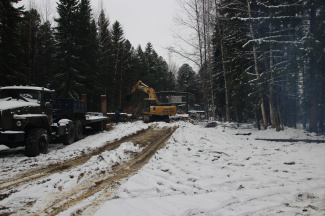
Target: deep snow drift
{"type": "Point", "coordinates": [212, 171]}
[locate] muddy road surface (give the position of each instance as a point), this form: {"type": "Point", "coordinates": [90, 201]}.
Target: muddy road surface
{"type": "Point", "coordinates": [82, 183]}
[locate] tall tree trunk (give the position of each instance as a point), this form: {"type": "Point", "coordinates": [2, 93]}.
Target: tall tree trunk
{"type": "Point", "coordinates": [274, 122]}
{"type": "Point", "coordinates": [205, 55]}
{"type": "Point", "coordinates": [257, 119]}
{"type": "Point", "coordinates": [203, 76]}
{"type": "Point", "coordinates": [210, 63]}
{"type": "Point", "coordinates": [312, 72]}
{"type": "Point", "coordinates": [256, 67]}
{"type": "Point", "coordinates": [225, 79]}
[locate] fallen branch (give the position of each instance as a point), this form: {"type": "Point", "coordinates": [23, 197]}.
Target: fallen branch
{"type": "Point", "coordinates": [293, 140]}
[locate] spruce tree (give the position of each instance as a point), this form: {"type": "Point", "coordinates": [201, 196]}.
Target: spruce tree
{"type": "Point", "coordinates": [104, 53]}
{"type": "Point", "coordinates": [117, 35]}
{"type": "Point", "coordinates": [29, 31]}
{"type": "Point", "coordinates": [186, 79]}
{"type": "Point", "coordinates": [67, 75]}
{"type": "Point", "coordinates": [87, 44]}
{"type": "Point", "coordinates": [45, 54]}
{"type": "Point", "coordinates": [11, 69]}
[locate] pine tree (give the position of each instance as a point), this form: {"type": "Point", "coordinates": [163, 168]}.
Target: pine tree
{"type": "Point", "coordinates": [11, 69]}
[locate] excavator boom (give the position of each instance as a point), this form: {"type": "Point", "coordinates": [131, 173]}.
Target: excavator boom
{"type": "Point", "coordinates": [153, 110]}
{"type": "Point", "coordinates": [146, 89]}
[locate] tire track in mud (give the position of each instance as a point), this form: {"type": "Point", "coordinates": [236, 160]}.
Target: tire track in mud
{"type": "Point", "coordinates": [101, 184]}
{"type": "Point", "coordinates": [106, 184]}
{"type": "Point", "coordinates": [38, 173]}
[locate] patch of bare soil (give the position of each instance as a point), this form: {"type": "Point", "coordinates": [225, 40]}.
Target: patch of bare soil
{"type": "Point", "coordinates": [103, 185]}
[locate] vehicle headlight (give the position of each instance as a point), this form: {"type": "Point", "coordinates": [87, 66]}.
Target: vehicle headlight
{"type": "Point", "coordinates": [18, 123]}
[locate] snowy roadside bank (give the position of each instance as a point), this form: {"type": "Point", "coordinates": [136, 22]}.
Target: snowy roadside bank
{"type": "Point", "coordinates": [212, 171]}
{"type": "Point", "coordinates": [15, 162]}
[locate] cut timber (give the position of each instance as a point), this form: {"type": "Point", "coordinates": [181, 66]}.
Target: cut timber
{"type": "Point", "coordinates": [211, 124]}
{"type": "Point", "coordinates": [244, 134]}
{"type": "Point", "coordinates": [293, 140]}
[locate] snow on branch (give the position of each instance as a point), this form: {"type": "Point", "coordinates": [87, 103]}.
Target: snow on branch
{"type": "Point", "coordinates": [262, 41]}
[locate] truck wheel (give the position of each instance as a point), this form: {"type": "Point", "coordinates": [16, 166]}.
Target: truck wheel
{"type": "Point", "coordinates": [69, 137]}
{"type": "Point", "coordinates": [36, 142]}
{"type": "Point", "coordinates": [78, 128]}
{"type": "Point", "coordinates": [99, 126]}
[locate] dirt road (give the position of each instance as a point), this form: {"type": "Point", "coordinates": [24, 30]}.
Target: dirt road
{"type": "Point", "coordinates": [97, 185]}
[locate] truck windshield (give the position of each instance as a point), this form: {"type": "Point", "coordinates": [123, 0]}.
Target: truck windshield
{"type": "Point", "coordinates": [27, 95]}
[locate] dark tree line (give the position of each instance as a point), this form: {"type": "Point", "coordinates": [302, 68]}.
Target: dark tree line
{"type": "Point", "coordinates": [79, 55]}
{"type": "Point", "coordinates": [274, 54]}
{"type": "Point", "coordinates": [260, 60]}
{"type": "Point", "coordinates": [268, 59]}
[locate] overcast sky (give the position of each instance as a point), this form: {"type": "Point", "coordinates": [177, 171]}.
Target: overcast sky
{"type": "Point", "coordinates": [143, 21]}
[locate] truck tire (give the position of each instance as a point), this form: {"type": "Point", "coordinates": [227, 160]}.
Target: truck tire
{"type": "Point", "coordinates": [36, 142]}
{"type": "Point", "coordinates": [99, 126]}
{"type": "Point", "coordinates": [69, 137]}
{"type": "Point", "coordinates": [78, 129]}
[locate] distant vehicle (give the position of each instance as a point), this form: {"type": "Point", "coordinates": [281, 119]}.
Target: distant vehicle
{"type": "Point", "coordinates": [33, 117]}
{"type": "Point", "coordinates": [153, 110]}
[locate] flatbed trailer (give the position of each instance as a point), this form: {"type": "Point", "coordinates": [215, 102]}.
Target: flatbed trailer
{"type": "Point", "coordinates": [75, 110]}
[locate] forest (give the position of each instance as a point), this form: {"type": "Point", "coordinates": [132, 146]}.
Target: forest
{"type": "Point", "coordinates": [257, 60]}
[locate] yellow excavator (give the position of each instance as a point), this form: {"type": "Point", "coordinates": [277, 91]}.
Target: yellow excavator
{"type": "Point", "coordinates": [153, 110]}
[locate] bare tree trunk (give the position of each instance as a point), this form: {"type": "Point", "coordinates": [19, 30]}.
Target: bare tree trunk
{"type": "Point", "coordinates": [270, 77]}
{"type": "Point", "coordinates": [225, 80]}
{"type": "Point", "coordinates": [205, 67]}
{"type": "Point", "coordinates": [210, 64]}
{"type": "Point", "coordinates": [202, 56]}
{"type": "Point", "coordinates": [280, 117]}
{"type": "Point", "coordinates": [312, 72]}
{"type": "Point", "coordinates": [256, 66]}
{"type": "Point", "coordinates": [257, 120]}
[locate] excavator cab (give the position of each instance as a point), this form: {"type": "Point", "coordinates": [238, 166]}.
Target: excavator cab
{"type": "Point", "coordinates": [147, 103]}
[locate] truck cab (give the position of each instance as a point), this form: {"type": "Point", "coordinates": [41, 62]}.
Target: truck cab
{"type": "Point", "coordinates": [32, 117]}
{"type": "Point", "coordinates": [25, 118]}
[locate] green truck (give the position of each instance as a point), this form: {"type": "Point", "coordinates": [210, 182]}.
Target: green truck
{"type": "Point", "coordinates": [32, 117]}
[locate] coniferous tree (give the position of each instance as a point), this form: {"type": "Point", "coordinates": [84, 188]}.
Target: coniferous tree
{"type": "Point", "coordinates": [67, 77]}
{"type": "Point", "coordinates": [45, 54]}
{"type": "Point", "coordinates": [87, 51]}
{"type": "Point", "coordinates": [104, 53]}
{"type": "Point", "coordinates": [11, 69]}
{"type": "Point", "coordinates": [128, 75]}
{"type": "Point", "coordinates": [117, 35]}
{"type": "Point", "coordinates": [186, 78]}
{"type": "Point", "coordinates": [29, 31]}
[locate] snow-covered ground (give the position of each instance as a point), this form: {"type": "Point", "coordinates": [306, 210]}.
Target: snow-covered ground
{"type": "Point", "coordinates": [200, 171]}
{"type": "Point", "coordinates": [212, 171]}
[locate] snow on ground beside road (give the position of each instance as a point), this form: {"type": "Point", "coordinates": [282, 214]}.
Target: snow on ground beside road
{"type": "Point", "coordinates": [51, 187]}
{"type": "Point", "coordinates": [13, 164]}
{"type": "Point", "coordinates": [212, 171]}
{"type": "Point", "coordinates": [96, 165]}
